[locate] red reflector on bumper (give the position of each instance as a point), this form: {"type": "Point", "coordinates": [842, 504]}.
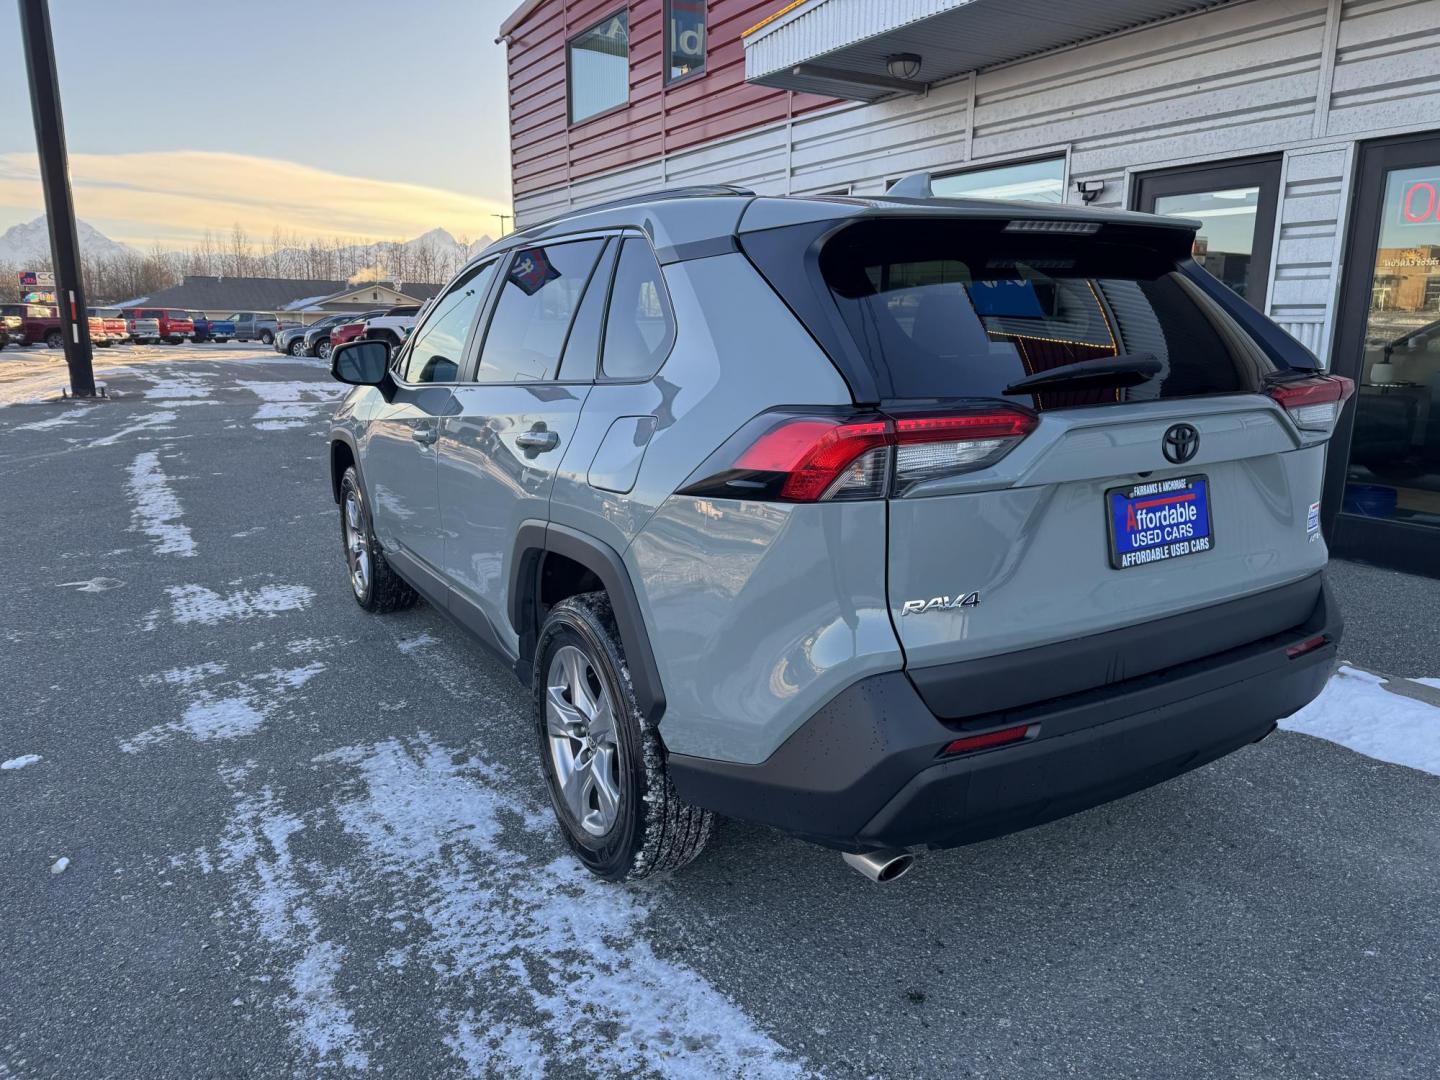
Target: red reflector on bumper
{"type": "Point", "coordinates": [1308, 645]}
{"type": "Point", "coordinates": [987, 740]}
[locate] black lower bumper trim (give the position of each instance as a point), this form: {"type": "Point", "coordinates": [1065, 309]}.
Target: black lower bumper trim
{"type": "Point", "coordinates": [864, 772]}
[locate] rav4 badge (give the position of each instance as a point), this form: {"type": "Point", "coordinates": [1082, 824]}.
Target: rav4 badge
{"type": "Point", "coordinates": [940, 603]}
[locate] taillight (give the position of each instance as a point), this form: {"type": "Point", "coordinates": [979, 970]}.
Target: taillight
{"type": "Point", "coordinates": [1314, 404]}
{"type": "Point", "coordinates": [810, 457]}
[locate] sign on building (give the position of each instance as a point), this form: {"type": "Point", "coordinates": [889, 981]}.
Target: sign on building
{"type": "Point", "coordinates": [37, 279]}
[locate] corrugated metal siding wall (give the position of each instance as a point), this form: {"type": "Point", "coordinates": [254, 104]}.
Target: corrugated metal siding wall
{"type": "Point", "coordinates": [545, 149]}
{"type": "Point", "coordinates": [1306, 77]}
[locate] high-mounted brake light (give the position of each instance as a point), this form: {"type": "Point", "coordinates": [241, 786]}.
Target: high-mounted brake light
{"type": "Point", "coordinates": [793, 457]}
{"type": "Point", "coordinates": [1314, 404]}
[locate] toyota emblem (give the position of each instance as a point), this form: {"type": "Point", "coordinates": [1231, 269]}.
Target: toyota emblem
{"type": "Point", "coordinates": [1180, 443]}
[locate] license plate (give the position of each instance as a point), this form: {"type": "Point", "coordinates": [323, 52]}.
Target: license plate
{"type": "Point", "coordinates": [1159, 520]}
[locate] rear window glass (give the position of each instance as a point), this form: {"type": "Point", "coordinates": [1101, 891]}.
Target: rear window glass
{"type": "Point", "coordinates": [965, 309]}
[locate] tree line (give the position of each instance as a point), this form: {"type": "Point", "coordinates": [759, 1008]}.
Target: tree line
{"type": "Point", "coordinates": [111, 279]}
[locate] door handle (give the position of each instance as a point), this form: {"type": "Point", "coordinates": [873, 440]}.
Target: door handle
{"type": "Point", "coordinates": [538, 441]}
{"type": "Point", "coordinates": [425, 436]}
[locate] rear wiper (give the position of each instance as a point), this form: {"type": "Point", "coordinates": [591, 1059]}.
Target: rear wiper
{"type": "Point", "coordinates": [1130, 369]}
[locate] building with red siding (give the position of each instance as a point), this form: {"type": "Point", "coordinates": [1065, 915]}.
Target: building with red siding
{"type": "Point", "coordinates": [1303, 134]}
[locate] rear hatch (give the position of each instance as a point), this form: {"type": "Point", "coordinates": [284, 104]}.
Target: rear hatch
{"type": "Point", "coordinates": [1089, 434]}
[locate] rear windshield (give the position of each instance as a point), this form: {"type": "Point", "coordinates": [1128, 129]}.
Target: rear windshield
{"type": "Point", "coordinates": [965, 308]}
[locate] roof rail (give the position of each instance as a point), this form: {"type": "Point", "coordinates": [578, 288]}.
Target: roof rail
{"type": "Point", "coordinates": [915, 186]}
{"type": "Point", "coordinates": [693, 192]}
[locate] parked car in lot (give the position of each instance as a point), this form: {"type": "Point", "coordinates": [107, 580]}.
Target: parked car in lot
{"type": "Point", "coordinates": [339, 335]}
{"type": "Point", "coordinates": [174, 326]}
{"type": "Point", "coordinates": [39, 324]}
{"type": "Point", "coordinates": [34, 324]}
{"type": "Point", "coordinates": [255, 326]}
{"type": "Point", "coordinates": [208, 329]}
{"type": "Point", "coordinates": [1027, 518]}
{"type": "Point", "coordinates": [116, 329]}
{"type": "Point", "coordinates": [143, 331]}
{"type": "Point", "coordinates": [317, 338]}
{"type": "Point", "coordinates": [392, 326]}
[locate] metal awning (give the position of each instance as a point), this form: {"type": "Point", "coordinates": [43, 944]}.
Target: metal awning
{"type": "Point", "coordinates": [839, 47]}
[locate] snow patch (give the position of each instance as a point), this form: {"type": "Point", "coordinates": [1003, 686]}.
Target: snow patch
{"type": "Point", "coordinates": [209, 715]}
{"type": "Point", "coordinates": [157, 511]}
{"type": "Point", "coordinates": [95, 584]}
{"type": "Point", "coordinates": [566, 943]}
{"type": "Point", "coordinates": [21, 761]}
{"type": "Point", "coordinates": [161, 419]}
{"type": "Point", "coordinates": [419, 641]}
{"type": "Point", "coordinates": [197, 604]}
{"type": "Point", "coordinates": [177, 388]}
{"type": "Point", "coordinates": [60, 865]}
{"type": "Point", "coordinates": [290, 404]}
{"type": "Point", "coordinates": [275, 903]}
{"type": "Point", "coordinates": [1356, 711]}
{"type": "Point", "coordinates": [55, 421]}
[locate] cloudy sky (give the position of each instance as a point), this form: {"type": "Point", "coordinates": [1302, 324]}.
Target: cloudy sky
{"type": "Point", "coordinates": [359, 118]}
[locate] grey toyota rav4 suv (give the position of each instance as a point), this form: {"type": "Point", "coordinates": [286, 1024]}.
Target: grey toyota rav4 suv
{"type": "Point", "coordinates": [894, 523]}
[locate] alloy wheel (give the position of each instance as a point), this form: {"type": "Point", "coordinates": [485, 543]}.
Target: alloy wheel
{"type": "Point", "coordinates": [580, 731]}
{"type": "Point", "coordinates": [357, 544]}
{"type": "Point", "coordinates": [323, 350]}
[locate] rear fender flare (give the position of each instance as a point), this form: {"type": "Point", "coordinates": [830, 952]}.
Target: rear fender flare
{"type": "Point", "coordinates": [533, 541]}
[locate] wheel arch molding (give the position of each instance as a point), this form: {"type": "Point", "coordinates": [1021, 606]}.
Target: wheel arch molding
{"type": "Point", "coordinates": [343, 450]}
{"type": "Point", "coordinates": [535, 540]}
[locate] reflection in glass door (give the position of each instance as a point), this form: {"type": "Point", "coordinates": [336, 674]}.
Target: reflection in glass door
{"type": "Point", "coordinates": [1235, 205]}
{"type": "Point", "coordinates": [1395, 448]}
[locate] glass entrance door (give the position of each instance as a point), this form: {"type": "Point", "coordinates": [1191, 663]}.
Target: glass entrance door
{"type": "Point", "coordinates": [1235, 205]}
{"type": "Point", "coordinates": [1385, 502]}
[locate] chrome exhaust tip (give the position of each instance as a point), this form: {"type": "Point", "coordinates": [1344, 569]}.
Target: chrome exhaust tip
{"type": "Point", "coordinates": [881, 866]}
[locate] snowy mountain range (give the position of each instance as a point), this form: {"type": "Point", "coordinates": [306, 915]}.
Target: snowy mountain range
{"type": "Point", "coordinates": [25, 243]}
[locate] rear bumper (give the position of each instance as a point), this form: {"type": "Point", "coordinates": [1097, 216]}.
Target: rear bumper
{"type": "Point", "coordinates": [865, 772]}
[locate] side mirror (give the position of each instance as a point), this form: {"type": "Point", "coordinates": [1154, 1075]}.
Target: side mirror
{"type": "Point", "coordinates": [361, 363]}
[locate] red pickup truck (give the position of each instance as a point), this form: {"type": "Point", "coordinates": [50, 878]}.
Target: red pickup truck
{"type": "Point", "coordinates": [175, 326]}
{"type": "Point", "coordinates": [40, 324]}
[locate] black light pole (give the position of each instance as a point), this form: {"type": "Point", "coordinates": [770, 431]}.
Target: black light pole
{"type": "Point", "coordinates": [59, 207]}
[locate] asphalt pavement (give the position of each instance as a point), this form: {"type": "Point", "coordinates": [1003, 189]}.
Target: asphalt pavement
{"type": "Point", "coordinates": [304, 840]}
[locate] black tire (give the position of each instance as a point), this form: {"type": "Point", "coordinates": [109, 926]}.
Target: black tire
{"type": "Point", "coordinates": [323, 348]}
{"type": "Point", "coordinates": [267, 338]}
{"type": "Point", "coordinates": [653, 830]}
{"type": "Point", "coordinates": [297, 347]}
{"type": "Point", "coordinates": [384, 590]}
{"type": "Point", "coordinates": [54, 339]}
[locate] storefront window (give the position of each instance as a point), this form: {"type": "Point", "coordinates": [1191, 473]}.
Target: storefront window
{"type": "Point", "coordinates": [684, 39]}
{"type": "Point", "coordinates": [1395, 448]}
{"type": "Point", "coordinates": [1225, 243]}
{"type": "Point", "coordinates": [1235, 204]}
{"type": "Point", "coordinates": [598, 67]}
{"type": "Point", "coordinates": [1029, 181]}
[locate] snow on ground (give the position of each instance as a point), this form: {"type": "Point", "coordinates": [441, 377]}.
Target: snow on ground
{"type": "Point", "coordinates": [157, 511]}
{"type": "Point", "coordinates": [69, 416]}
{"type": "Point", "coordinates": [228, 710]}
{"type": "Point", "coordinates": [21, 761]}
{"type": "Point", "coordinates": [291, 404]}
{"type": "Point", "coordinates": [197, 604]}
{"type": "Point", "coordinates": [162, 420]}
{"type": "Point", "coordinates": [1356, 711]}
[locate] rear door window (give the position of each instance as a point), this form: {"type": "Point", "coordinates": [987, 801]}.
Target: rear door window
{"type": "Point", "coordinates": [967, 307]}
{"type": "Point", "coordinates": [539, 295]}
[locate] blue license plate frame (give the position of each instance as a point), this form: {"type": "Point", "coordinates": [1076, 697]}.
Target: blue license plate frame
{"type": "Point", "coordinates": [1159, 521]}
